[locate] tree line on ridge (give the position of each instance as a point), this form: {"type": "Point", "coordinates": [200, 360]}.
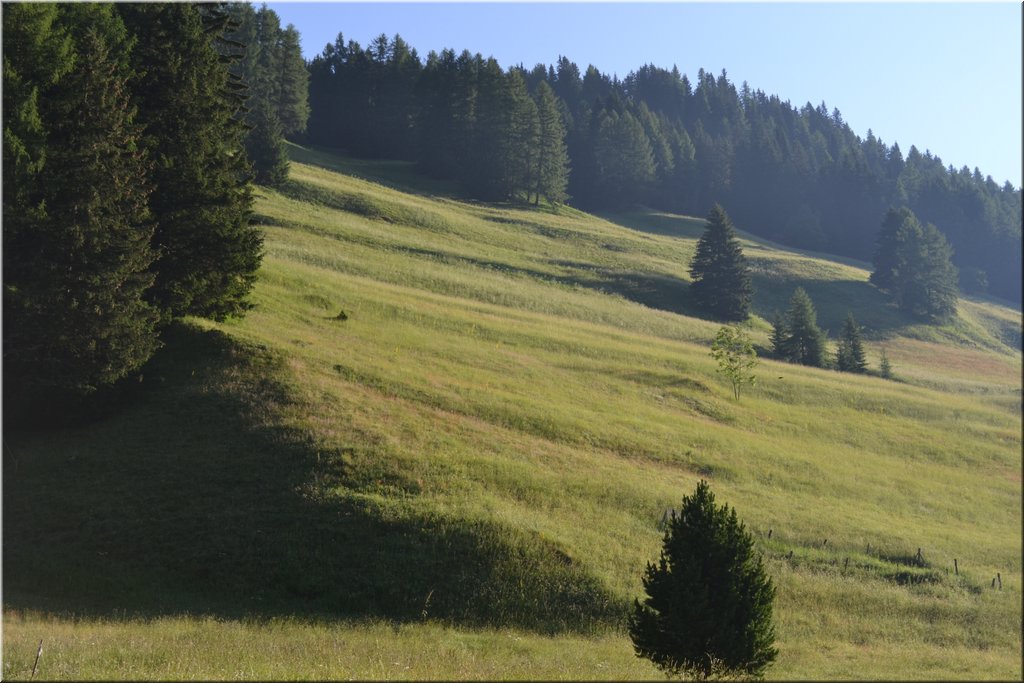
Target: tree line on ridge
{"type": "Point", "coordinates": [796, 175]}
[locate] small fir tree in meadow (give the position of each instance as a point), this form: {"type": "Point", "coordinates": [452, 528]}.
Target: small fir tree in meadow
{"type": "Point", "coordinates": [778, 335]}
{"type": "Point", "coordinates": [805, 342]}
{"type": "Point", "coordinates": [850, 356]}
{"type": "Point", "coordinates": [721, 279]}
{"type": "Point", "coordinates": [708, 610]}
{"type": "Point", "coordinates": [736, 357]}
{"type": "Point", "coordinates": [884, 367]}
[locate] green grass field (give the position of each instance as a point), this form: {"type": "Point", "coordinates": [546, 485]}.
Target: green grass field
{"type": "Point", "coordinates": [463, 475]}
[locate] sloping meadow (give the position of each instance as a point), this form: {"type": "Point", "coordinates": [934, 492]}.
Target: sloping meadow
{"type": "Point", "coordinates": [452, 427]}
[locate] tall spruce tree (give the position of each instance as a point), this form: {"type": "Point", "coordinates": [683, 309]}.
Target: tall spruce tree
{"type": "Point", "coordinates": [191, 107]}
{"type": "Point", "coordinates": [293, 88]}
{"type": "Point", "coordinates": [524, 137]}
{"type": "Point", "coordinates": [37, 53]}
{"type": "Point", "coordinates": [265, 146]}
{"type": "Point", "coordinates": [552, 158]}
{"type": "Point", "coordinates": [623, 159]}
{"type": "Point", "coordinates": [850, 355]}
{"type": "Point", "coordinates": [804, 341]}
{"type": "Point", "coordinates": [257, 44]}
{"type": "Point", "coordinates": [778, 335]}
{"type": "Point", "coordinates": [77, 264]}
{"type": "Point", "coordinates": [721, 279]}
{"type": "Point", "coordinates": [708, 609]}
{"type": "Point", "coordinates": [913, 262]}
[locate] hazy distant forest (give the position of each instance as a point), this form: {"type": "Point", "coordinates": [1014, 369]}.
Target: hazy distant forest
{"type": "Point", "coordinates": [797, 175]}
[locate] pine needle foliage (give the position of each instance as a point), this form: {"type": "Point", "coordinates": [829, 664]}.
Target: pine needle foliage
{"type": "Point", "coordinates": [914, 264]}
{"type": "Point", "coordinates": [885, 367]}
{"type": "Point", "coordinates": [708, 610]}
{"type": "Point", "coordinates": [721, 279]}
{"type": "Point", "coordinates": [77, 259]}
{"type": "Point", "coordinates": [850, 355]}
{"type": "Point", "coordinates": [804, 341]}
{"type": "Point", "coordinates": [191, 106]}
{"type": "Point", "coordinates": [777, 337]}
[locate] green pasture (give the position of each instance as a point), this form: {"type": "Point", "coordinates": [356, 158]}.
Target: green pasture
{"type": "Point", "coordinates": [441, 444]}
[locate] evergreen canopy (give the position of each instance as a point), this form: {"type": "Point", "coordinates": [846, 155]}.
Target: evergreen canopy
{"type": "Point", "coordinates": [721, 279]}
{"type": "Point", "coordinates": [802, 341]}
{"type": "Point", "coordinates": [708, 609]}
{"type": "Point", "coordinates": [913, 262]}
{"type": "Point", "coordinates": [77, 230]}
{"type": "Point", "coordinates": [209, 252]}
{"type": "Point", "coordinates": [850, 355]}
{"type": "Point", "coordinates": [126, 193]}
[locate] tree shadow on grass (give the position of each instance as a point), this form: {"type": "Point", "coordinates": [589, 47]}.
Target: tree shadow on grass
{"type": "Point", "coordinates": [194, 499]}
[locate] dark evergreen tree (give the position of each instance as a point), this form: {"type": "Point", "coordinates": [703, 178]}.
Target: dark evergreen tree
{"type": "Point", "coordinates": [804, 342]}
{"type": "Point", "coordinates": [446, 94]}
{"type": "Point", "coordinates": [245, 44]}
{"type": "Point", "coordinates": [327, 125]}
{"type": "Point", "coordinates": [850, 355]}
{"type": "Point", "coordinates": [489, 171]}
{"type": "Point", "coordinates": [884, 366]}
{"type": "Point", "coordinates": [708, 610]}
{"type": "Point", "coordinates": [293, 86]}
{"type": "Point", "coordinates": [524, 137]}
{"type": "Point", "coordinates": [505, 134]}
{"type": "Point", "coordinates": [913, 262]}
{"type": "Point", "coordinates": [623, 159]}
{"type": "Point", "coordinates": [76, 266]}
{"type": "Point", "coordinates": [265, 146]}
{"type": "Point", "coordinates": [552, 172]}
{"type": "Point", "coordinates": [256, 43]}
{"type": "Point", "coordinates": [37, 53]}
{"type": "Point", "coordinates": [778, 336]}
{"type": "Point", "coordinates": [208, 249]}
{"type": "Point", "coordinates": [269, 58]}
{"type": "Point", "coordinates": [721, 279]}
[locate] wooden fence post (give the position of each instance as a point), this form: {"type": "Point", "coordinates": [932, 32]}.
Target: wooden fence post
{"type": "Point", "coordinates": [39, 653]}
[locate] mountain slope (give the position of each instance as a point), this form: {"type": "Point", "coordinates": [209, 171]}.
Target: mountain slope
{"type": "Point", "coordinates": [475, 416]}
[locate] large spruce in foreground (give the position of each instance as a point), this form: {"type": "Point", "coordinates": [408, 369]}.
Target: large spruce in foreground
{"type": "Point", "coordinates": [208, 250]}
{"type": "Point", "coordinates": [77, 230]}
{"type": "Point", "coordinates": [721, 280]}
{"type": "Point", "coordinates": [708, 610]}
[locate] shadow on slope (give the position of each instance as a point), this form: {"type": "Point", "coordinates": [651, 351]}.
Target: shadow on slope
{"type": "Point", "coordinates": [194, 500]}
{"type": "Point", "coordinates": [399, 175]}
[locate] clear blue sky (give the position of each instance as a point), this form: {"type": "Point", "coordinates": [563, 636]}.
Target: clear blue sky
{"type": "Point", "coordinates": [945, 77]}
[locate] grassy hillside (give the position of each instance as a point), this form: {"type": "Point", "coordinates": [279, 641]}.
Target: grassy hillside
{"type": "Point", "coordinates": [441, 444]}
